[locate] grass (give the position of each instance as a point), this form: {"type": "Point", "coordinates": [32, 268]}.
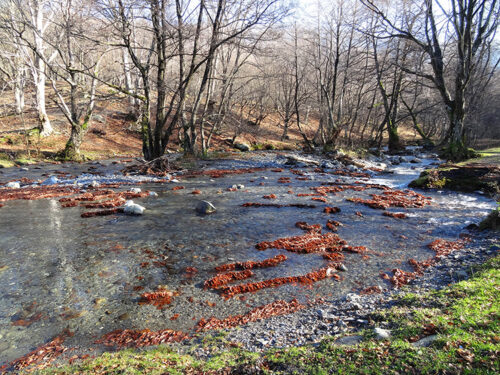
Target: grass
{"type": "Point", "coordinates": [465, 317]}
{"type": "Point", "coordinates": [488, 156]}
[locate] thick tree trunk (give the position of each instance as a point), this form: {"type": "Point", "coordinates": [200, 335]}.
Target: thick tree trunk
{"type": "Point", "coordinates": [456, 149]}
{"type": "Point", "coordinates": [394, 140]}
{"type": "Point", "coordinates": [72, 149]}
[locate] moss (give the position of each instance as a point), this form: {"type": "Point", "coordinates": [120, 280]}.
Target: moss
{"type": "Point", "coordinates": [464, 179]}
{"type": "Point", "coordinates": [492, 221]}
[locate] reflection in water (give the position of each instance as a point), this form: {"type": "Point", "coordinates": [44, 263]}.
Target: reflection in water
{"type": "Point", "coordinates": [87, 274]}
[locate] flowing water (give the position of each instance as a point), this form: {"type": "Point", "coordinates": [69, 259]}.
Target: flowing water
{"type": "Point", "coordinates": [58, 270]}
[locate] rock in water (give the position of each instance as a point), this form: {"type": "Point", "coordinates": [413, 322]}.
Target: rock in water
{"type": "Point", "coordinates": [132, 208]}
{"type": "Point", "coordinates": [52, 180]}
{"type": "Point", "coordinates": [242, 147]}
{"type": "Point", "coordinates": [13, 185]}
{"type": "Point", "coordinates": [135, 190]}
{"type": "Point", "coordinates": [205, 207]}
{"type": "Point", "coordinates": [153, 194]}
{"type": "Point", "coordinates": [382, 334]}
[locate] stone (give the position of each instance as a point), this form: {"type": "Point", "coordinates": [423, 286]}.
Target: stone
{"type": "Point", "coordinates": [352, 297]}
{"type": "Point", "coordinates": [262, 342]}
{"type": "Point", "coordinates": [99, 301]}
{"type": "Point", "coordinates": [205, 207]}
{"type": "Point", "coordinates": [98, 118]}
{"type": "Point", "coordinates": [297, 160]}
{"type": "Point", "coordinates": [4, 346]}
{"type": "Point", "coordinates": [349, 340]}
{"type": "Point", "coordinates": [153, 194]}
{"type": "Point", "coordinates": [242, 147]}
{"type": "Point", "coordinates": [135, 190]}
{"type": "Point", "coordinates": [382, 334]}
{"type": "Point", "coordinates": [132, 208]}
{"type": "Point", "coordinates": [324, 314]}
{"type": "Point", "coordinates": [13, 185]}
{"type": "Point", "coordinates": [343, 268]}
{"type": "Point", "coordinates": [240, 186]}
{"type": "Point", "coordinates": [52, 180]}
{"type": "Point", "coordinates": [426, 341]}
{"type": "Point", "coordinates": [461, 275]}
{"type": "Point", "coordinates": [24, 169]}
{"type": "Point", "coordinates": [95, 184]}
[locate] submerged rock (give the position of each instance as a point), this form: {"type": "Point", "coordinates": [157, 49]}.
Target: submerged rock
{"type": "Point", "coordinates": [205, 207]}
{"type": "Point", "coordinates": [52, 180]}
{"type": "Point", "coordinates": [135, 190]}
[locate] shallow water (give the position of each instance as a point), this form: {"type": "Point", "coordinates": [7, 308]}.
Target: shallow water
{"type": "Point", "coordinates": [64, 271]}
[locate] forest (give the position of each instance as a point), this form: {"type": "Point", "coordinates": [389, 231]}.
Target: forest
{"type": "Point", "coordinates": [346, 73]}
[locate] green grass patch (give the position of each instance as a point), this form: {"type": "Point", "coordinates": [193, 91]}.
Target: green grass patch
{"type": "Point", "coordinates": [465, 317]}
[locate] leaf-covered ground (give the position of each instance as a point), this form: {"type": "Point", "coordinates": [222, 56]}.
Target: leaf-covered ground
{"type": "Point", "coordinates": [465, 317]}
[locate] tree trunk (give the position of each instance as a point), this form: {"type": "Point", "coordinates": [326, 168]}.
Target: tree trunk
{"type": "Point", "coordinates": [457, 148]}
{"type": "Point", "coordinates": [72, 149]}
{"type": "Point", "coordinates": [19, 92]}
{"type": "Point", "coordinates": [39, 73]}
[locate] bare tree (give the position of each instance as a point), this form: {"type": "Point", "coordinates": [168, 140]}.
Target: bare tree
{"type": "Point", "coordinates": [465, 29]}
{"type": "Point", "coordinates": [30, 22]}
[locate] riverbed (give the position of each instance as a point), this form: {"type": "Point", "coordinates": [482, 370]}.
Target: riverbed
{"type": "Point", "coordinates": [60, 271]}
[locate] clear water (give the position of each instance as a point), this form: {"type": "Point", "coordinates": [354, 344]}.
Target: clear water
{"type": "Point", "coordinates": [63, 271]}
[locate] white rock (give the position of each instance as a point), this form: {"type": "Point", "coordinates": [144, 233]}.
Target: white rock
{"type": "Point", "coordinates": [330, 271]}
{"type": "Point", "coordinates": [132, 208]}
{"type": "Point", "coordinates": [95, 184]}
{"type": "Point", "coordinates": [52, 180]}
{"type": "Point", "coordinates": [135, 190]}
{"type": "Point", "coordinates": [129, 203]}
{"type": "Point", "coordinates": [24, 169]}
{"type": "Point", "coordinates": [174, 180]}
{"type": "Point", "coordinates": [153, 194]}
{"type": "Point", "coordinates": [382, 334]}
{"type": "Point", "coordinates": [240, 186]}
{"type": "Point", "coordinates": [13, 185]}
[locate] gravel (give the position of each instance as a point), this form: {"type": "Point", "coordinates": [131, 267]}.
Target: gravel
{"type": "Point", "coordinates": [345, 316]}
